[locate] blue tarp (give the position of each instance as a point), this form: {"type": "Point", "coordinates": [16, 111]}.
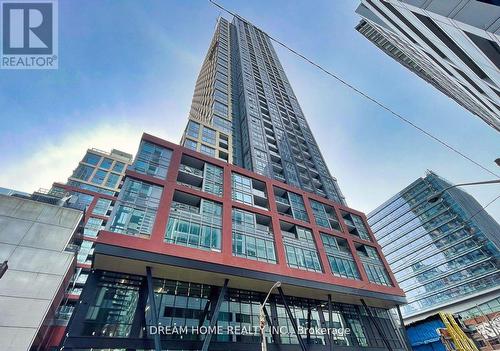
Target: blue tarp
{"type": "Point", "coordinates": [423, 336]}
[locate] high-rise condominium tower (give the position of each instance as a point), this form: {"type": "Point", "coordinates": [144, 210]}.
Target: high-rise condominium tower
{"type": "Point", "coordinates": [453, 45]}
{"type": "Point", "coordinates": [195, 240]}
{"type": "Point", "coordinates": [244, 112]}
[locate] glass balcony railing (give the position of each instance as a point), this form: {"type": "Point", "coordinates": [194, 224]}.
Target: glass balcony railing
{"type": "Point", "coordinates": [177, 206]}
{"type": "Point", "coordinates": [259, 193]}
{"type": "Point", "coordinates": [282, 200]}
{"type": "Point", "coordinates": [191, 170]}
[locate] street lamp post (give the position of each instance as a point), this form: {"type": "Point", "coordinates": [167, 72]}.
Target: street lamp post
{"type": "Point", "coordinates": [435, 197]}
{"type": "Point", "coordinates": [262, 317]}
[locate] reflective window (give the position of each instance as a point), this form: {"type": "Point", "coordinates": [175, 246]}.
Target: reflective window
{"type": "Point", "coordinates": [340, 257]}
{"type": "Point", "coordinates": [193, 129]}
{"type": "Point", "coordinates": [208, 135]}
{"type": "Point", "coordinates": [195, 222]}
{"type": "Point", "coordinates": [136, 212]}
{"type": "Point", "coordinates": [101, 207]}
{"type": "Point", "coordinates": [207, 150]}
{"type": "Point", "coordinates": [252, 236]}
{"type": "Point", "coordinates": [99, 176]}
{"type": "Point", "coordinates": [111, 314]}
{"type": "Point", "coordinates": [300, 248]}
{"type": "Point", "coordinates": [213, 179]}
{"type": "Point", "coordinates": [91, 159]}
{"type": "Point", "coordinates": [118, 167]}
{"type": "Point", "coordinates": [92, 227]}
{"type": "Point", "coordinates": [106, 163]}
{"type": "Point", "coordinates": [325, 215]}
{"type": "Point", "coordinates": [190, 144]}
{"type": "Point", "coordinates": [112, 180]}
{"type": "Point", "coordinates": [374, 268]}
{"type": "Point", "coordinates": [152, 160]}
{"type": "Point", "coordinates": [83, 172]}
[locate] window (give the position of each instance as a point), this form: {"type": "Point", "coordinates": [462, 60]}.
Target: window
{"type": "Point", "coordinates": [356, 225]}
{"type": "Point", "coordinates": [340, 257]}
{"type": "Point", "coordinates": [325, 215]}
{"type": "Point", "coordinates": [221, 109]}
{"type": "Point", "coordinates": [82, 200]}
{"type": "Point", "coordinates": [118, 167]}
{"type": "Point", "coordinates": [195, 226]}
{"type": "Point", "coordinates": [300, 248]}
{"type": "Point", "coordinates": [83, 172]}
{"type": "Point", "coordinates": [252, 236]}
{"type": "Point", "coordinates": [101, 207]}
{"type": "Point", "coordinates": [112, 180]}
{"type": "Point", "coordinates": [298, 208]}
{"type": "Point", "coordinates": [222, 124]}
{"type": "Point", "coordinates": [488, 47]}
{"type": "Point", "coordinates": [190, 144]}
{"type": "Point", "coordinates": [106, 163]}
{"type": "Point", "coordinates": [207, 150]}
{"type": "Point", "coordinates": [213, 179]}
{"type": "Point", "coordinates": [152, 160]}
{"type": "Point", "coordinates": [242, 189]}
{"type": "Point", "coordinates": [84, 251]}
{"type": "Point", "coordinates": [208, 136]}
{"type": "Point", "coordinates": [136, 213]}
{"type": "Point", "coordinates": [220, 96]}
{"type": "Point", "coordinates": [375, 269]}
{"type": "Point", "coordinates": [112, 311]}
{"type": "Point", "coordinates": [99, 176]}
{"type": "Point", "coordinates": [193, 129]}
{"type": "Point", "coordinates": [91, 159]}
{"type": "Point", "coordinates": [220, 85]}
{"type": "Point", "coordinates": [92, 227]}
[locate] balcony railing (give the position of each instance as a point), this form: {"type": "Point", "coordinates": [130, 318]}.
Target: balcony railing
{"type": "Point", "coordinates": [259, 193]}
{"type": "Point", "coordinates": [282, 200]}
{"type": "Point", "coordinates": [191, 170]}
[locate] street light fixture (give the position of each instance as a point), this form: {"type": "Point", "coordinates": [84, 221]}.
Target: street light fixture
{"type": "Point", "coordinates": [435, 197]}
{"type": "Point", "coordinates": [262, 317]}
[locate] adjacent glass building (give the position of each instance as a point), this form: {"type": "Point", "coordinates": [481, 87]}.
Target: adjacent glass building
{"type": "Point", "coordinates": [453, 45]}
{"type": "Point", "coordinates": [93, 187]}
{"type": "Point", "coordinates": [244, 112]}
{"type": "Point", "coordinates": [445, 254]}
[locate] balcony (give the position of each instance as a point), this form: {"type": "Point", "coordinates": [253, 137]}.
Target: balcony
{"type": "Point", "coordinates": [180, 207]}
{"type": "Point", "coordinates": [282, 200]}
{"type": "Point", "coordinates": [259, 193]}
{"type": "Point", "coordinates": [191, 170]}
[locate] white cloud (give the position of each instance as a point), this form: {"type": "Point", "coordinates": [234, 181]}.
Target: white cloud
{"type": "Point", "coordinates": [55, 159]}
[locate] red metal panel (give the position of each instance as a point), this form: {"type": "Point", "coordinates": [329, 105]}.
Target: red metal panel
{"type": "Point", "coordinates": [157, 244]}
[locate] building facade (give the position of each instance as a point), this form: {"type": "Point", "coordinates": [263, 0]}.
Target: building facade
{"type": "Point", "coordinates": [453, 45]}
{"type": "Point", "coordinates": [93, 187]}
{"type": "Point", "coordinates": [199, 233]}
{"type": "Point", "coordinates": [36, 249]}
{"type": "Point", "coordinates": [245, 112]}
{"type": "Point", "coordinates": [194, 241]}
{"type": "Point", "coordinates": [444, 254]}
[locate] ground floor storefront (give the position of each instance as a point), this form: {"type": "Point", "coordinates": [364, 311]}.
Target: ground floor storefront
{"type": "Point", "coordinates": [117, 313]}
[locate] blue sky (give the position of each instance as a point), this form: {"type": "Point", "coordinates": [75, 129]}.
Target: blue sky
{"type": "Point", "coordinates": [128, 66]}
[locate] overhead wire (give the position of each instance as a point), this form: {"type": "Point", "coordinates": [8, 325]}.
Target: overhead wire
{"type": "Point", "coordinates": [362, 93]}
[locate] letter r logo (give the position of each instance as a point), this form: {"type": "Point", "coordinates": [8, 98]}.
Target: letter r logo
{"type": "Point", "coordinates": [27, 28]}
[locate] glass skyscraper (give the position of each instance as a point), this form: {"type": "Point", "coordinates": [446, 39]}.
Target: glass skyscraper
{"type": "Point", "coordinates": [244, 112]}
{"type": "Point", "coordinates": [453, 45]}
{"type": "Point", "coordinates": [444, 255]}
